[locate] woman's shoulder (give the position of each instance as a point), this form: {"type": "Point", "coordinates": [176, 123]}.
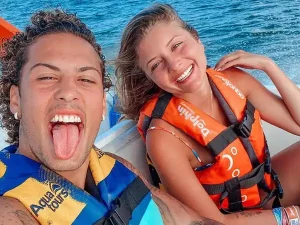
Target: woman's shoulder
{"type": "Point", "coordinates": [235, 74]}
{"type": "Point", "coordinates": [160, 123]}
{"type": "Point", "coordinates": [241, 79]}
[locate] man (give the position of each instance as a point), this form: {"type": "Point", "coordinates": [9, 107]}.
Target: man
{"type": "Point", "coordinates": [51, 102]}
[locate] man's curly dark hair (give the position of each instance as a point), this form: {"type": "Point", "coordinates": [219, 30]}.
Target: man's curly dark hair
{"type": "Point", "coordinates": [16, 55]}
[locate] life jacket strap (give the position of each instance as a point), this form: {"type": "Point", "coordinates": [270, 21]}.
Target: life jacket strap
{"type": "Point", "coordinates": [248, 180]}
{"type": "Point", "coordinates": [229, 189]}
{"type": "Point", "coordinates": [244, 128]}
{"type": "Point", "coordinates": [161, 105]}
{"type": "Point", "coordinates": [277, 192]}
{"type": "Point", "coordinates": [277, 183]}
{"type": "Point", "coordinates": [227, 136]}
{"type": "Point", "coordinates": [268, 167]}
{"type": "Point", "coordinates": [222, 140]}
{"type": "Point", "coordinates": [270, 195]}
{"type": "Point", "coordinates": [233, 188]}
{"type": "Point", "coordinates": [269, 170]}
{"type": "Point", "coordinates": [123, 206]}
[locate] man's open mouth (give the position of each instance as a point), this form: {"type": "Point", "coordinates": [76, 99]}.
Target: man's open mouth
{"type": "Point", "coordinates": [66, 131]}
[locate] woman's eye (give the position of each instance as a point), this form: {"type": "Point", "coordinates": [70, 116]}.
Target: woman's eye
{"type": "Point", "coordinates": [154, 66]}
{"type": "Point", "coordinates": [176, 45]}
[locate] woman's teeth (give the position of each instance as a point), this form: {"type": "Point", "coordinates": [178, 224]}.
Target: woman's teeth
{"type": "Point", "coordinates": [186, 74]}
{"type": "Point", "coordinates": [66, 119]}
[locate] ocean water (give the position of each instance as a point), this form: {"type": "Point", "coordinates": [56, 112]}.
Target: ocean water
{"type": "Point", "coordinates": [271, 28]}
{"type": "Point", "coordinates": [265, 27]}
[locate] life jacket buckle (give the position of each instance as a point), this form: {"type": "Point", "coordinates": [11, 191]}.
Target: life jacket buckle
{"type": "Point", "coordinates": [242, 130]}
{"type": "Point", "coordinates": [118, 214]}
{"type": "Point", "coordinates": [115, 219]}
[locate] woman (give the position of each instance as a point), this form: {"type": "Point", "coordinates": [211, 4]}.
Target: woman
{"type": "Point", "coordinates": [202, 126]}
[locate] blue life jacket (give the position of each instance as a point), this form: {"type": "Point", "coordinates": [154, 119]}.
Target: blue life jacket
{"type": "Point", "coordinates": [116, 195]}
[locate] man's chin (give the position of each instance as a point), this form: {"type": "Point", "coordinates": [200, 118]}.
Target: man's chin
{"type": "Point", "coordinates": [65, 166]}
{"type": "Point", "coordinates": [61, 165]}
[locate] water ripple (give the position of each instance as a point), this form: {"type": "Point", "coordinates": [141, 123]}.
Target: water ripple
{"type": "Point", "coordinates": [269, 27]}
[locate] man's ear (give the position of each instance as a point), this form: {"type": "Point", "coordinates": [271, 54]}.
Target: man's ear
{"type": "Point", "coordinates": [15, 100]}
{"type": "Point", "coordinates": [104, 105]}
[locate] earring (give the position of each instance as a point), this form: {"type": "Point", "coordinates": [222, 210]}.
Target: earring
{"type": "Point", "coordinates": [16, 115]}
{"type": "Point", "coordinates": [103, 117]}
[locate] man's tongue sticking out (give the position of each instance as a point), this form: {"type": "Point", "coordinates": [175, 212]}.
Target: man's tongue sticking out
{"type": "Point", "coordinates": [65, 139]}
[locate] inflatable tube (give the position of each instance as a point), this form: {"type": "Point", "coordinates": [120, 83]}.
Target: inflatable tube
{"type": "Point", "coordinates": [6, 32]}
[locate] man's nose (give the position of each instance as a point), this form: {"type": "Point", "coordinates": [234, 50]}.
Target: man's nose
{"type": "Point", "coordinates": [67, 90]}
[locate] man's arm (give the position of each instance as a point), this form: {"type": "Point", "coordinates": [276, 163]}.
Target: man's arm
{"type": "Point", "coordinates": [12, 212]}
{"type": "Point", "coordinates": [173, 212]}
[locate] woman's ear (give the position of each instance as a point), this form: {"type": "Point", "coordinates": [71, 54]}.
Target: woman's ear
{"type": "Point", "coordinates": [200, 43]}
{"type": "Point", "coordinates": [14, 97]}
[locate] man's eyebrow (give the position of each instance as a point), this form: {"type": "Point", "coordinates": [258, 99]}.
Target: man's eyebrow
{"type": "Point", "coordinates": [80, 70]}
{"type": "Point", "coordinates": [45, 65]}
{"type": "Point", "coordinates": [85, 68]}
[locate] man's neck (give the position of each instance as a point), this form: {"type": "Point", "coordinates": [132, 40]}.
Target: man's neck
{"type": "Point", "coordinates": [77, 176]}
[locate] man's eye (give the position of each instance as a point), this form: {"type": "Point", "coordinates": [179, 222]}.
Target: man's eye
{"type": "Point", "coordinates": [87, 80]}
{"type": "Point", "coordinates": [154, 66]}
{"type": "Point", "coordinates": [46, 78]}
{"type": "Point", "coordinates": [176, 45]}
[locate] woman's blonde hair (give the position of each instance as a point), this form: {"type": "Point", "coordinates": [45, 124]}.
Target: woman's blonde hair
{"type": "Point", "coordinates": [133, 87]}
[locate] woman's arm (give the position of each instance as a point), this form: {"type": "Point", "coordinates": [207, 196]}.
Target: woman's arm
{"type": "Point", "coordinates": [173, 212]}
{"type": "Point", "coordinates": [282, 111]}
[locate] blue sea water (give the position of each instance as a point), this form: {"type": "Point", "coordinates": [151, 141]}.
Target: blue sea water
{"type": "Point", "coordinates": [265, 27]}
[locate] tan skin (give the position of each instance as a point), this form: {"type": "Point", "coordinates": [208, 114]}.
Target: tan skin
{"type": "Point", "coordinates": [166, 51]}
{"type": "Point", "coordinates": [61, 79]}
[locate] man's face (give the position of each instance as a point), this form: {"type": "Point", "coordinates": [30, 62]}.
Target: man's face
{"type": "Point", "coordinates": [61, 101]}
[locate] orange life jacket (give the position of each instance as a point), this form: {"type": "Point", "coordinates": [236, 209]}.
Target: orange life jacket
{"type": "Point", "coordinates": [242, 159]}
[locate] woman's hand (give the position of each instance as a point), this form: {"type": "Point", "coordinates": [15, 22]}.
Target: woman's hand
{"type": "Point", "coordinates": [282, 111]}
{"type": "Point", "coordinates": [244, 60]}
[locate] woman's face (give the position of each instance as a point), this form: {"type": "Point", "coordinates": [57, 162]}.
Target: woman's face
{"type": "Point", "coordinates": [173, 58]}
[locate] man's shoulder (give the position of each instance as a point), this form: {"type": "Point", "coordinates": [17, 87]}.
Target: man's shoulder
{"type": "Point", "coordinates": [13, 212]}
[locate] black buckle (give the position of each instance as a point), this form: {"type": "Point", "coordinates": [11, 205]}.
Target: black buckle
{"type": "Point", "coordinates": [232, 185]}
{"type": "Point", "coordinates": [118, 214]}
{"type": "Point", "coordinates": [242, 130]}
{"type": "Point", "coordinates": [115, 219]}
